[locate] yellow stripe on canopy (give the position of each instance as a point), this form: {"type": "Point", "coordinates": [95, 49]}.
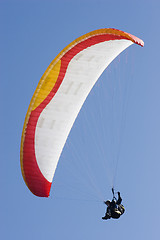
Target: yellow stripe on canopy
{"type": "Point", "coordinates": [47, 85]}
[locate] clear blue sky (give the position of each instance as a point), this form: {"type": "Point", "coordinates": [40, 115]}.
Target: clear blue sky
{"type": "Point", "coordinates": [32, 34]}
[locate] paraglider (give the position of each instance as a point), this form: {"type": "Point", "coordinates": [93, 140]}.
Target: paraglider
{"type": "Point", "coordinates": [114, 208]}
{"type": "Point", "coordinates": [58, 99]}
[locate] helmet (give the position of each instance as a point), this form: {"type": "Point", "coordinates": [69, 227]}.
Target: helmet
{"type": "Point", "coordinates": [108, 202]}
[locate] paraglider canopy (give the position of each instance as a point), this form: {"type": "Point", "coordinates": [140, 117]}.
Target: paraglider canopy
{"type": "Point", "coordinates": [58, 99]}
